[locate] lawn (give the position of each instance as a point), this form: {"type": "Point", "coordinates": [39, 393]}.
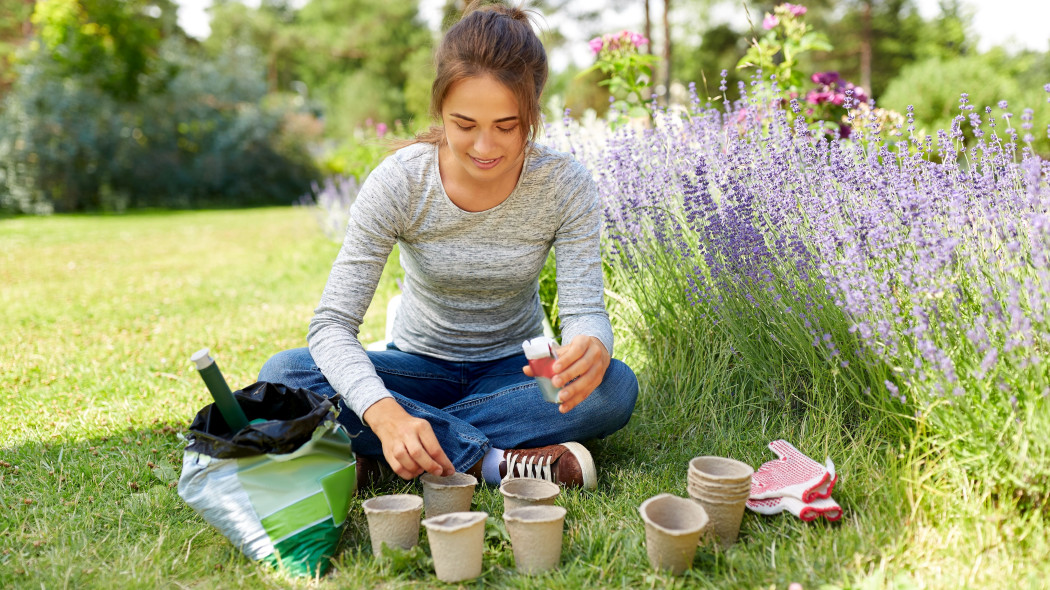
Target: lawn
{"type": "Point", "coordinates": [102, 314]}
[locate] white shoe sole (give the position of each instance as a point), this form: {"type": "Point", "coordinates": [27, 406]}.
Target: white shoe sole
{"type": "Point", "coordinates": [583, 457]}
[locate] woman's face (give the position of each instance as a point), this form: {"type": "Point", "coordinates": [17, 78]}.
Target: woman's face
{"type": "Point", "coordinates": [483, 130]}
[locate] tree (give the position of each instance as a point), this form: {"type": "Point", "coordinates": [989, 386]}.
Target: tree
{"type": "Point", "coordinates": [15, 31]}
{"type": "Point", "coordinates": [267, 28]}
{"type": "Point", "coordinates": [111, 42]}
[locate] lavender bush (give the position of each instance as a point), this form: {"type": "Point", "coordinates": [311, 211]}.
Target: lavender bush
{"type": "Point", "coordinates": [331, 201]}
{"type": "Point", "coordinates": [910, 277]}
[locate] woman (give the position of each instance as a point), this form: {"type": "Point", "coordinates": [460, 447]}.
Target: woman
{"type": "Point", "coordinates": [475, 206]}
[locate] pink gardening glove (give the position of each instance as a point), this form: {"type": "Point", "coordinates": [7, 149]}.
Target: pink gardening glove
{"type": "Point", "coordinates": [825, 507]}
{"type": "Point", "coordinates": [793, 475]}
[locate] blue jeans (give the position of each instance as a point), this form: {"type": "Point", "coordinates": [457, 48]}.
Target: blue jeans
{"type": "Point", "coordinates": [472, 406]}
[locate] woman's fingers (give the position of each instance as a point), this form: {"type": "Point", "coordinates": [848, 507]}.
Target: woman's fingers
{"type": "Point", "coordinates": [581, 367]}
{"type": "Point", "coordinates": [436, 453]}
{"type": "Point", "coordinates": [417, 451]}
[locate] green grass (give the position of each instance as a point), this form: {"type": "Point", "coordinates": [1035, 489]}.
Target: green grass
{"type": "Point", "coordinates": [102, 313]}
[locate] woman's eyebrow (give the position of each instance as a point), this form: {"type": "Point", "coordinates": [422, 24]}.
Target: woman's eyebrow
{"type": "Point", "coordinates": [466, 118]}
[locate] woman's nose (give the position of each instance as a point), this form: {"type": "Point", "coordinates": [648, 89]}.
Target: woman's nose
{"type": "Point", "coordinates": [484, 143]}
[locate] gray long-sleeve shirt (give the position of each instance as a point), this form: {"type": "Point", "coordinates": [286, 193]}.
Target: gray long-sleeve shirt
{"type": "Point", "coordinates": [470, 288]}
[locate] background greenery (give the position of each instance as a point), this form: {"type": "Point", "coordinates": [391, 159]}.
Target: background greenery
{"type": "Point", "coordinates": [108, 105]}
{"type": "Point", "coordinates": [102, 314]}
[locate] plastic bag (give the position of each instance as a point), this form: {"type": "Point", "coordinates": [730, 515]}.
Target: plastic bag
{"type": "Point", "coordinates": [280, 488]}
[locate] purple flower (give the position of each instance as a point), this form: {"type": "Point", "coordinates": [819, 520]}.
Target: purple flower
{"type": "Point", "coordinates": [825, 78]}
{"type": "Point", "coordinates": [794, 9]}
{"type": "Point", "coordinates": [770, 22]}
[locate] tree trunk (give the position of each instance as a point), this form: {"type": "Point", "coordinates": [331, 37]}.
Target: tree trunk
{"type": "Point", "coordinates": [667, 53]}
{"type": "Point", "coordinates": [648, 29]}
{"type": "Point", "coordinates": [865, 47]}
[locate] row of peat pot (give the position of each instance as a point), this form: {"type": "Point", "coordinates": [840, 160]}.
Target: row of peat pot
{"type": "Point", "coordinates": [674, 526]}
{"type": "Point", "coordinates": [457, 534]}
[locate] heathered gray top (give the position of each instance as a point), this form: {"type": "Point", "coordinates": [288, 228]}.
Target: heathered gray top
{"type": "Point", "coordinates": [471, 278]}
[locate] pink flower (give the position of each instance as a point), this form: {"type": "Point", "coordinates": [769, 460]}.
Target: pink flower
{"type": "Point", "coordinates": [770, 21]}
{"type": "Point", "coordinates": [794, 9]}
{"type": "Point", "coordinates": [381, 129]}
{"type": "Point", "coordinates": [819, 97]}
{"type": "Point", "coordinates": [638, 40]}
{"type": "Point", "coordinates": [596, 45]}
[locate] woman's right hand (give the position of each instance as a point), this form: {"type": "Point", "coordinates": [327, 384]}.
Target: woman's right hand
{"type": "Point", "coordinates": [409, 443]}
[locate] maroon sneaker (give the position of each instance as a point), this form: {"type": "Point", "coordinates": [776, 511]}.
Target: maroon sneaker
{"type": "Point", "coordinates": [568, 464]}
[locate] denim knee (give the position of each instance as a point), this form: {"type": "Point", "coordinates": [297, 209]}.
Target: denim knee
{"type": "Point", "coordinates": [610, 406]}
{"type": "Point", "coordinates": [293, 369]}
{"type": "Point", "coordinates": [619, 394]}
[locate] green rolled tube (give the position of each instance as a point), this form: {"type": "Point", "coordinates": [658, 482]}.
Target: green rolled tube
{"type": "Point", "coordinates": [229, 408]}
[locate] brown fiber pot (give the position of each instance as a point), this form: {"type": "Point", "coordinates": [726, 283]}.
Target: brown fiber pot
{"type": "Point", "coordinates": [725, 518]}
{"type": "Point", "coordinates": [393, 520]}
{"type": "Point", "coordinates": [519, 492]}
{"type": "Point", "coordinates": [457, 542]}
{"type": "Point", "coordinates": [535, 535]}
{"type": "Point", "coordinates": [450, 493]}
{"type": "Point", "coordinates": [672, 531]}
{"type": "Point", "coordinates": [720, 470]}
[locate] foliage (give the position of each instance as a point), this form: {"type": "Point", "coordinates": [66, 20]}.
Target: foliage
{"type": "Point", "coordinates": [14, 27]}
{"type": "Point", "coordinates": [628, 72]}
{"type": "Point", "coordinates": [929, 89]}
{"type": "Point", "coordinates": [895, 33]}
{"type": "Point", "coordinates": [777, 52]}
{"type": "Point", "coordinates": [201, 137]}
{"type": "Point", "coordinates": [102, 312]}
{"type": "Point", "coordinates": [911, 280]}
{"type": "Point", "coordinates": [356, 59]}
{"type": "Point", "coordinates": [112, 44]}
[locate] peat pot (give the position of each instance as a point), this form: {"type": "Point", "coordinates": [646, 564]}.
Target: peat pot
{"type": "Point", "coordinates": [449, 493]}
{"type": "Point", "coordinates": [457, 541]}
{"type": "Point", "coordinates": [672, 531]}
{"type": "Point", "coordinates": [393, 520]}
{"type": "Point", "coordinates": [535, 535]}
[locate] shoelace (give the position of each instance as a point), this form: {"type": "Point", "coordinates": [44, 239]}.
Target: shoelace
{"type": "Point", "coordinates": [530, 466]}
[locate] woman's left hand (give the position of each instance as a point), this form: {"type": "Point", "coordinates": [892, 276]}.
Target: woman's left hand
{"type": "Point", "coordinates": [578, 371]}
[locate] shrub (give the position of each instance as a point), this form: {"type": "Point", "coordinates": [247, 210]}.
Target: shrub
{"type": "Point", "coordinates": [907, 283]}
{"type": "Point", "coordinates": [200, 138]}
{"type": "Point", "coordinates": [932, 89]}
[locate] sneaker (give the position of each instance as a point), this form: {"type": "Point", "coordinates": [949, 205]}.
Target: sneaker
{"type": "Point", "coordinates": [568, 464]}
{"type": "Point", "coordinates": [373, 472]}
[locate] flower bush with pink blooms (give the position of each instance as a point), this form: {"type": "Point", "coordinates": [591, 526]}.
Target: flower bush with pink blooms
{"type": "Point", "coordinates": [828, 105]}
{"type": "Point", "coordinates": [906, 280]}
{"type": "Point", "coordinates": [787, 36]}
{"type": "Point", "coordinates": [629, 71]}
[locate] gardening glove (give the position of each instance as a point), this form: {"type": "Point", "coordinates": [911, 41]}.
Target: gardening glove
{"type": "Point", "coordinates": [793, 475]}
{"type": "Point", "coordinates": [825, 507]}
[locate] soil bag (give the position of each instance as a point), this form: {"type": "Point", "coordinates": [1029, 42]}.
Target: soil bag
{"type": "Point", "coordinates": [279, 489]}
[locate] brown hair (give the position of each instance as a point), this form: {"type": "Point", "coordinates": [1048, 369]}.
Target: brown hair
{"type": "Point", "coordinates": [495, 40]}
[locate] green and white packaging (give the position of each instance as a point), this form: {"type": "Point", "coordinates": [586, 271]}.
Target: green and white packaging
{"type": "Point", "coordinates": [286, 507]}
